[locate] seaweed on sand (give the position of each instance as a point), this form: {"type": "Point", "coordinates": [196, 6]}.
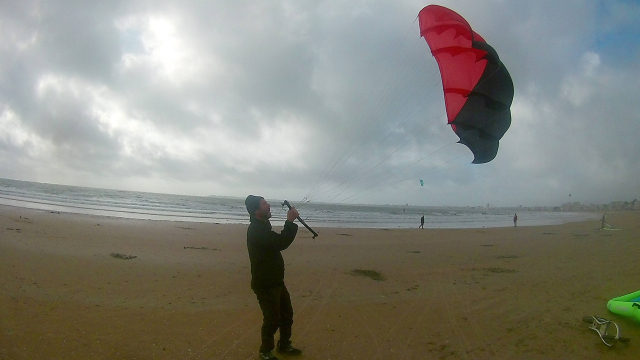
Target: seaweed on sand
{"type": "Point", "coordinates": [372, 274]}
{"type": "Point", "coordinates": [123, 256]}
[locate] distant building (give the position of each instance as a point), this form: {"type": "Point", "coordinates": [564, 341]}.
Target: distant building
{"type": "Point", "coordinates": [612, 206]}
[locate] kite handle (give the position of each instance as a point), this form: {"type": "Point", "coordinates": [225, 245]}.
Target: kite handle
{"type": "Point", "coordinates": [315, 234]}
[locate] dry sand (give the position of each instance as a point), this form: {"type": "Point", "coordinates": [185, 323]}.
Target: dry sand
{"type": "Point", "coordinates": [506, 293]}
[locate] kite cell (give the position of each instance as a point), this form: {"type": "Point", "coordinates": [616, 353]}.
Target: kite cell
{"type": "Point", "coordinates": [478, 89]}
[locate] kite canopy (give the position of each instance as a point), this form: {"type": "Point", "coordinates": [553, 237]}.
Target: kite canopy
{"type": "Point", "coordinates": [478, 89]}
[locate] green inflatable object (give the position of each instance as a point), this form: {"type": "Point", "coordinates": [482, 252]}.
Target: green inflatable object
{"type": "Point", "coordinates": [626, 305]}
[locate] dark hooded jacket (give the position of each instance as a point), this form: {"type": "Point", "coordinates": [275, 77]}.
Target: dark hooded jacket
{"type": "Point", "coordinates": [264, 245]}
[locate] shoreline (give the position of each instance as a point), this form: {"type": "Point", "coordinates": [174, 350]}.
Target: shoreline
{"type": "Point", "coordinates": [446, 293]}
{"type": "Point", "coordinates": [561, 218]}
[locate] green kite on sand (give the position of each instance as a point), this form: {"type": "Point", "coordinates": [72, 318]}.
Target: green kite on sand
{"type": "Point", "coordinates": [626, 305]}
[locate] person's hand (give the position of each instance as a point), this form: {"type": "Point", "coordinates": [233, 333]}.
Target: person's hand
{"type": "Point", "coordinates": [292, 214]}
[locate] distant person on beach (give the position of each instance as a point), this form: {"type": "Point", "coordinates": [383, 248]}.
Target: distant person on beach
{"type": "Point", "coordinates": [267, 275]}
{"type": "Point", "coordinates": [515, 220]}
{"type": "Point", "coordinates": [603, 222]}
{"type": "Point", "coordinates": [421, 222]}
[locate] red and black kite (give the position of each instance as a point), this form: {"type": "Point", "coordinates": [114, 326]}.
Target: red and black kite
{"type": "Point", "coordinates": [478, 89]}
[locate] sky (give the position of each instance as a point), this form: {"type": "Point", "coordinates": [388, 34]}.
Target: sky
{"type": "Point", "coordinates": [327, 101]}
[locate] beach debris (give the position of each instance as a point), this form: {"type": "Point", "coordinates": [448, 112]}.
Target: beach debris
{"type": "Point", "coordinates": [602, 327]}
{"type": "Point", "coordinates": [372, 274]}
{"type": "Point", "coordinates": [507, 257]}
{"type": "Point", "coordinates": [123, 256]}
{"type": "Point", "coordinates": [414, 252]}
{"type": "Point", "coordinates": [345, 235]}
{"type": "Point", "coordinates": [200, 248]}
{"type": "Point", "coordinates": [500, 270]}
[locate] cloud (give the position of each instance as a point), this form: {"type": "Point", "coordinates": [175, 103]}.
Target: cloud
{"type": "Point", "coordinates": [228, 97]}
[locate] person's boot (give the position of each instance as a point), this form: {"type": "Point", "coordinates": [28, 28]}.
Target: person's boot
{"type": "Point", "coordinates": [267, 356]}
{"type": "Point", "coordinates": [287, 349]}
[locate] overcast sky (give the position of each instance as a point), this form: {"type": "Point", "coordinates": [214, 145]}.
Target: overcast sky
{"type": "Point", "coordinates": [332, 100]}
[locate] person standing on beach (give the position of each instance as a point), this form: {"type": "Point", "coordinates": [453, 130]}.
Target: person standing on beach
{"type": "Point", "coordinates": [267, 275]}
{"type": "Point", "coordinates": [421, 222]}
{"type": "Point", "coordinates": [515, 220]}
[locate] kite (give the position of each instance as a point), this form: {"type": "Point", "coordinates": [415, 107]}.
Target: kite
{"type": "Point", "coordinates": [478, 89]}
{"type": "Point", "coordinates": [421, 182]}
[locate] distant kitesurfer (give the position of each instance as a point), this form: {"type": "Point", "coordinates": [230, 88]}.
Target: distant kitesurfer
{"type": "Point", "coordinates": [267, 275]}
{"type": "Point", "coordinates": [515, 220]}
{"type": "Point", "coordinates": [421, 222]}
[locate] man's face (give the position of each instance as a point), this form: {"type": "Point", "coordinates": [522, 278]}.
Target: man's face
{"type": "Point", "coordinates": [264, 212]}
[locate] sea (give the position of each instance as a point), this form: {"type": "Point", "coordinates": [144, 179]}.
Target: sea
{"type": "Point", "coordinates": [231, 210]}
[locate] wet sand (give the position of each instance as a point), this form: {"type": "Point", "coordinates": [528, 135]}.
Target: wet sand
{"type": "Point", "coordinates": [504, 293]}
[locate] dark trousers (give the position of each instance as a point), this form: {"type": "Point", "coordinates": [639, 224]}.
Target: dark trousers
{"type": "Point", "coordinates": [277, 313]}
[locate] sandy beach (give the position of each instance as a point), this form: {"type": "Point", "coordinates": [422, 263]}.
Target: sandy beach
{"type": "Point", "coordinates": [504, 293]}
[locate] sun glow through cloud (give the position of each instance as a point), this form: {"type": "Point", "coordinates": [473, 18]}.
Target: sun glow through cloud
{"type": "Point", "coordinates": [164, 49]}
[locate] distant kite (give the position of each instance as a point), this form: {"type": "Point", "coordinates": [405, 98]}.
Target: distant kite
{"type": "Point", "coordinates": [478, 89]}
{"type": "Point", "coordinates": [421, 183]}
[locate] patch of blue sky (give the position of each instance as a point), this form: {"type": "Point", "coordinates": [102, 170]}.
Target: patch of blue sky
{"type": "Point", "coordinates": [618, 35]}
{"type": "Point", "coordinates": [131, 42]}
